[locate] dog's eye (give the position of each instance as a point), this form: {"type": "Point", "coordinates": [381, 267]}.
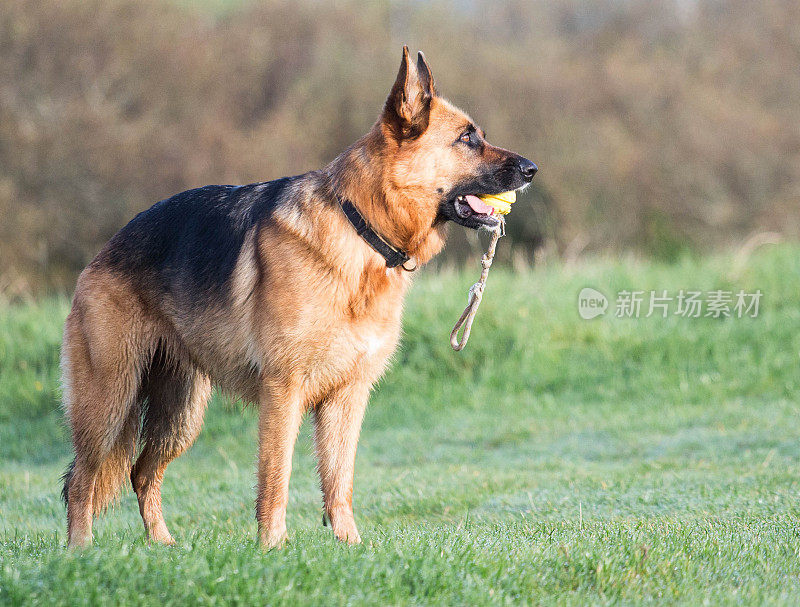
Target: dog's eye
{"type": "Point", "coordinates": [466, 137]}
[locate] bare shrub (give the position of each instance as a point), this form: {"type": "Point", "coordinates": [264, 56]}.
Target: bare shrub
{"type": "Point", "coordinates": [657, 127]}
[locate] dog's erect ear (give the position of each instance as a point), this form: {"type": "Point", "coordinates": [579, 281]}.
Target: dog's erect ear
{"type": "Point", "coordinates": [407, 109]}
{"type": "Point", "coordinates": [425, 75]}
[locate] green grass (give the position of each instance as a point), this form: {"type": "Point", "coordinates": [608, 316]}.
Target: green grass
{"type": "Point", "coordinates": [554, 461]}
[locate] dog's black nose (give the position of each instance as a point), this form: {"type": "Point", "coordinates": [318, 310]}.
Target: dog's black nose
{"type": "Point", "coordinates": [527, 168]}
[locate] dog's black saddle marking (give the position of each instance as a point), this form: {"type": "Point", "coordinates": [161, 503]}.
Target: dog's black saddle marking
{"type": "Point", "coordinates": [190, 243]}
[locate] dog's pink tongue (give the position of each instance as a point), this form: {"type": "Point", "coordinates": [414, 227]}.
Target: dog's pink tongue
{"type": "Point", "coordinates": [478, 205]}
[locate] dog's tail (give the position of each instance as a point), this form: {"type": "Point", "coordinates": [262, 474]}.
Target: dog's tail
{"type": "Point", "coordinates": [65, 479]}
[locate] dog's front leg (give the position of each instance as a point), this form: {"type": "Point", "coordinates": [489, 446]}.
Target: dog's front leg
{"type": "Point", "coordinates": [337, 426]}
{"type": "Point", "coordinates": [280, 414]}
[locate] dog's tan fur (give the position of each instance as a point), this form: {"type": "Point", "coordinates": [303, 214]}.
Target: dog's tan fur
{"type": "Point", "coordinates": [311, 316]}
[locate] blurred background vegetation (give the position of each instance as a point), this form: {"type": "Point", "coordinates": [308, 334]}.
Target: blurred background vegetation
{"type": "Point", "coordinates": [660, 127]}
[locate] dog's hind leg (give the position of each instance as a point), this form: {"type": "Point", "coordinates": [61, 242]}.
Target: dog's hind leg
{"type": "Point", "coordinates": [102, 355]}
{"type": "Point", "coordinates": [337, 426]}
{"type": "Point", "coordinates": [175, 402]}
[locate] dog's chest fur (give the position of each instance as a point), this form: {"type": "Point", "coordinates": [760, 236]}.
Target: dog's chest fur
{"type": "Point", "coordinates": [336, 327]}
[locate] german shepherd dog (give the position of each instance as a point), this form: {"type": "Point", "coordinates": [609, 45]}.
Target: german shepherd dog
{"type": "Point", "coordinates": [287, 293]}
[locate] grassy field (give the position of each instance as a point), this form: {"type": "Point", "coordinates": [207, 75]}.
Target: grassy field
{"type": "Point", "coordinates": [555, 461]}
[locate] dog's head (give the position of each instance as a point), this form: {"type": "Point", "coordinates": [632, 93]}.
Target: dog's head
{"type": "Point", "coordinates": [440, 158]}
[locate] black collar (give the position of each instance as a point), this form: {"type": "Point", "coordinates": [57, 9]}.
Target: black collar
{"type": "Point", "coordinates": [394, 257]}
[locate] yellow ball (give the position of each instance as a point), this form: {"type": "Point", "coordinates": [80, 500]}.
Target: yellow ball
{"type": "Point", "coordinates": [500, 202]}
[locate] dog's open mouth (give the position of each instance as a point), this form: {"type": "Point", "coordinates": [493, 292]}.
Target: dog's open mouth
{"type": "Point", "coordinates": [472, 206]}
{"type": "Point", "coordinates": [481, 210]}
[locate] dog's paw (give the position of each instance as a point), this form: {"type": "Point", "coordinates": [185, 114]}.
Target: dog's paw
{"type": "Point", "coordinates": [166, 540]}
{"type": "Point", "coordinates": [347, 533]}
{"type": "Point", "coordinates": [159, 534]}
{"type": "Point", "coordinates": [80, 542]}
{"type": "Point", "coordinates": [272, 539]}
